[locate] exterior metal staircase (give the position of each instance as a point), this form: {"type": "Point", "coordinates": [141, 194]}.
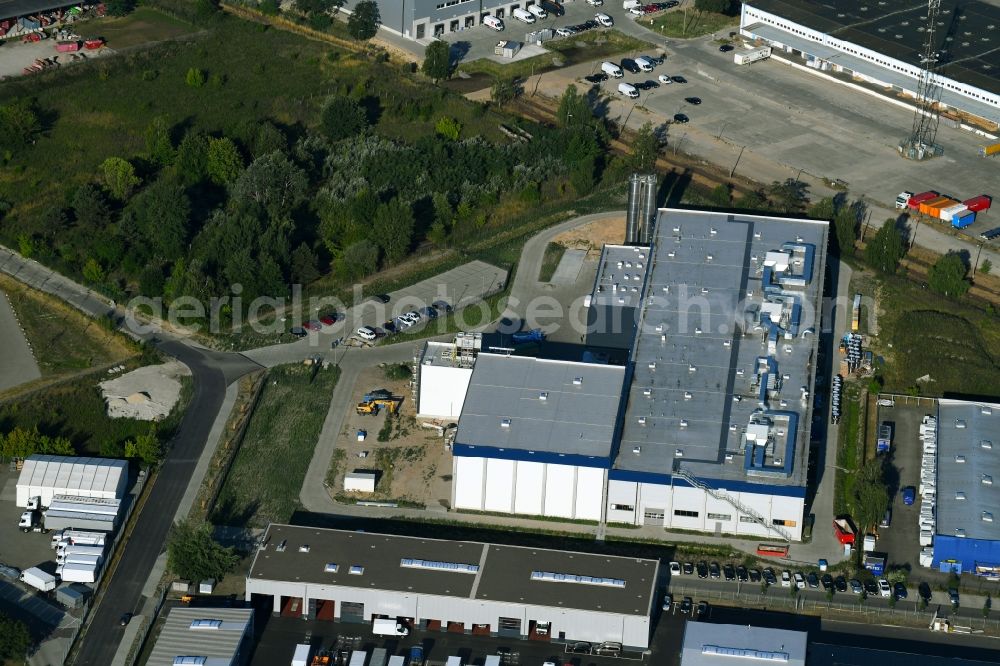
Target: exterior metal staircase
{"type": "Point", "coordinates": [745, 510]}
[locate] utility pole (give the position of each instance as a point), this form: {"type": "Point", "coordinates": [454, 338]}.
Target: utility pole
{"type": "Point", "coordinates": [733, 170]}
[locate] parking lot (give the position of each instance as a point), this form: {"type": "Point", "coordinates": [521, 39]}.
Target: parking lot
{"type": "Point", "coordinates": [18, 549]}
{"type": "Point", "coordinates": [900, 539]}
{"type": "Point", "coordinates": [280, 635]}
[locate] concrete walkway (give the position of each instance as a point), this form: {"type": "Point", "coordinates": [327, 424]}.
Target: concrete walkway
{"type": "Point", "coordinates": [17, 360]}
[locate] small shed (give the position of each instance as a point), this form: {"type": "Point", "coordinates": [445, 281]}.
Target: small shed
{"type": "Point", "coordinates": [362, 482]}
{"type": "Point", "coordinates": [206, 586]}
{"type": "Point", "coordinates": [507, 48]}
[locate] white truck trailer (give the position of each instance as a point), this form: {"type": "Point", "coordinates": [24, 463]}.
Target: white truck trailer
{"type": "Point", "coordinates": [78, 573]}
{"type": "Point", "coordinates": [38, 579]}
{"type": "Point", "coordinates": [747, 57]}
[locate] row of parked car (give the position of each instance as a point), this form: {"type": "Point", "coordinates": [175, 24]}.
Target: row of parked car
{"type": "Point", "coordinates": [642, 10]}
{"type": "Point", "coordinates": [404, 321]}
{"type": "Point", "coordinates": [873, 587]}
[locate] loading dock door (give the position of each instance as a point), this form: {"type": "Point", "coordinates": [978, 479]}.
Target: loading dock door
{"type": "Point", "coordinates": [653, 516]}
{"type": "Point", "coordinates": [352, 612]}
{"type": "Point", "coordinates": [456, 627]}
{"type": "Point", "coordinates": [509, 626]}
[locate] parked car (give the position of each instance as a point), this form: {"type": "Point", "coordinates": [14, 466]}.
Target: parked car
{"type": "Point", "coordinates": [686, 604]}
{"type": "Point", "coordinates": [812, 580]}
{"type": "Point", "coordinates": [909, 495]}
{"type": "Point", "coordinates": [429, 312]}
{"type": "Point", "coordinates": [600, 77]}
{"type": "Point", "coordinates": [675, 568]}
{"type": "Point", "coordinates": [729, 572]}
{"type": "Point", "coordinates": [840, 584]}
{"type": "Point", "coordinates": [630, 65]}
{"type": "Point", "coordinates": [871, 587]}
{"type": "Point", "coordinates": [367, 333]}
{"type": "Point", "coordinates": [580, 647]}
{"type": "Point", "coordinates": [924, 590]}
{"type": "Point", "coordinates": [726, 48]}
{"type": "Point", "coordinates": [741, 574]}
{"type": "Point", "coordinates": [680, 118]}
{"type": "Point", "coordinates": [668, 600]}
{"type": "Point", "coordinates": [702, 609]}
{"type": "Point", "coordinates": [899, 591]}
{"type": "Point", "coordinates": [665, 79]}
{"type": "Point", "coordinates": [382, 298]}
{"type": "Point", "coordinates": [754, 575]}
{"type": "Point", "coordinates": [124, 619]}
{"type": "Point", "coordinates": [678, 79]}
{"type": "Point", "coordinates": [330, 319]}
{"type": "Point", "coordinates": [884, 589]}
{"type": "Point", "coordinates": [565, 32]}
{"type": "Point", "coordinates": [687, 568]}
{"type": "Point", "coordinates": [608, 649]}
{"type": "Point", "coordinates": [713, 570]}
{"type": "Point", "coordinates": [827, 582]}
{"type": "Point", "coordinates": [649, 84]}
{"type": "Point", "coordinates": [312, 325]}
{"type": "Point", "coordinates": [856, 586]}
{"type": "Point", "coordinates": [390, 327]}
{"type": "Point", "coordinates": [595, 3]}
{"type": "Point", "coordinates": [953, 596]}
{"type": "Point", "coordinates": [768, 576]}
{"type": "Point", "coordinates": [298, 331]}
{"type": "Point", "coordinates": [786, 579]}
{"type": "Point", "coordinates": [702, 570]}
{"type": "Point", "coordinates": [800, 580]}
{"type": "Point", "coordinates": [693, 100]}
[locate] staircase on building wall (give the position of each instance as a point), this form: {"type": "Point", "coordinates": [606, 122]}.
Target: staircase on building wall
{"type": "Point", "coordinates": [739, 506]}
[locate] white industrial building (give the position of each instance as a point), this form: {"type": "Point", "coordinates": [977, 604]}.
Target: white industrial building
{"type": "Point", "coordinates": [443, 375]}
{"type": "Point", "coordinates": [205, 636]}
{"type": "Point", "coordinates": [536, 436]}
{"type": "Point", "coordinates": [708, 644]}
{"type": "Point", "coordinates": [455, 586]}
{"type": "Point", "coordinates": [881, 43]}
{"type": "Point", "coordinates": [46, 476]}
{"type": "Point", "coordinates": [707, 426]}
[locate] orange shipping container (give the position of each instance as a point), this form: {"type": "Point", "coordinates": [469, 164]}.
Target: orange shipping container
{"type": "Point", "coordinates": [925, 207]}
{"type": "Point", "coordinates": [936, 208]}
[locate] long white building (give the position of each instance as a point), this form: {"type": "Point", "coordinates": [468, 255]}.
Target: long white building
{"type": "Point", "coordinates": [455, 586]}
{"type": "Point", "coordinates": [882, 42]}
{"type": "Point", "coordinates": [707, 425]}
{"type": "Point", "coordinates": [46, 476]}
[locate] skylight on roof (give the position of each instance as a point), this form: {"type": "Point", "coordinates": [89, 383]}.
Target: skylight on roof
{"type": "Point", "coordinates": [206, 624]}
{"type": "Point", "coordinates": [457, 567]}
{"type": "Point", "coordinates": [552, 577]}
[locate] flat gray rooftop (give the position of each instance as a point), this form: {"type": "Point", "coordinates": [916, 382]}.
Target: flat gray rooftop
{"type": "Point", "coordinates": [696, 356]}
{"type": "Point", "coordinates": [830, 654]}
{"type": "Point", "coordinates": [614, 299]}
{"type": "Point", "coordinates": [178, 639]}
{"type": "Point", "coordinates": [727, 644]}
{"type": "Point", "coordinates": [504, 572]}
{"type": "Point", "coordinates": [966, 429]}
{"type": "Point", "coordinates": [537, 404]}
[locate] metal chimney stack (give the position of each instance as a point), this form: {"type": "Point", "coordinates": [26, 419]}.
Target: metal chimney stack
{"type": "Point", "coordinates": [641, 213]}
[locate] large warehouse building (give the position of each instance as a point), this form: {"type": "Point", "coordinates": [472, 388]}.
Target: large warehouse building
{"type": "Point", "coordinates": [455, 586]}
{"type": "Point", "coordinates": [204, 636]}
{"type": "Point", "coordinates": [968, 488]}
{"type": "Point", "coordinates": [882, 43]}
{"type": "Point", "coordinates": [426, 19]}
{"type": "Point", "coordinates": [706, 428]}
{"type": "Point", "coordinates": [46, 476]}
{"type": "Point", "coordinates": [725, 644]}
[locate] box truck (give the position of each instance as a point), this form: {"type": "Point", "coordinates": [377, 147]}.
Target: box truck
{"type": "Point", "coordinates": [38, 579]}
{"type": "Point", "coordinates": [302, 654]}
{"type": "Point", "coordinates": [493, 22]}
{"type": "Point", "coordinates": [387, 627]}
{"type": "Point", "coordinates": [379, 657]}
{"type": "Point", "coordinates": [77, 573]}
{"type": "Point", "coordinates": [79, 550]}
{"type": "Point", "coordinates": [75, 537]}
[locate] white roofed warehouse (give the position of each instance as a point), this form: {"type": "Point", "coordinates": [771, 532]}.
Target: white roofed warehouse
{"type": "Point", "coordinates": [46, 476]}
{"type": "Point", "coordinates": [455, 586]}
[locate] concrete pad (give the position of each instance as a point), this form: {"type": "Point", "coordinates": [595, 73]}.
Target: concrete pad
{"type": "Point", "coordinates": [569, 267]}
{"type": "Point", "coordinates": [17, 362]}
{"type": "Point", "coordinates": [147, 393]}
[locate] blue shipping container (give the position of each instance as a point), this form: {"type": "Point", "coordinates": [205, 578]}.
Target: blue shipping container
{"type": "Point", "coordinates": [963, 220]}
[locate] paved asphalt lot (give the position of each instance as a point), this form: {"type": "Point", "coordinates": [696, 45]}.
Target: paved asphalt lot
{"type": "Point", "coordinates": [17, 363]}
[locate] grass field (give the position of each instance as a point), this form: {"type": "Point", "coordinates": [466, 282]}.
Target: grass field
{"type": "Point", "coordinates": [266, 476]}
{"type": "Point", "coordinates": [550, 261]}
{"type": "Point", "coordinates": [142, 26]}
{"type": "Point", "coordinates": [677, 23]}
{"type": "Point", "coordinates": [64, 340]}
{"type": "Point", "coordinates": [922, 333]}
{"type": "Point", "coordinates": [849, 451]}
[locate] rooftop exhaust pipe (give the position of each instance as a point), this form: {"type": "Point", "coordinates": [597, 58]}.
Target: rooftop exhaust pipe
{"type": "Point", "coordinates": [641, 211]}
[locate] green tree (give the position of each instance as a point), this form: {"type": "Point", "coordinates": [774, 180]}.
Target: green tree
{"type": "Point", "coordinates": [194, 555]}
{"type": "Point", "coordinates": [26, 245]}
{"type": "Point", "coordinates": [342, 117]}
{"type": "Point", "coordinates": [22, 442]}
{"type": "Point", "coordinates": [986, 267]}
{"type": "Point", "coordinates": [120, 7]}
{"type": "Point", "coordinates": [313, 6]}
{"type": "Point", "coordinates": [449, 128]}
{"type": "Point", "coordinates": [437, 60]}
{"type": "Point", "coordinates": [392, 229]}
{"type": "Point", "coordinates": [19, 123]}
{"type": "Point", "coordinates": [15, 639]}
{"type": "Point", "coordinates": [871, 495]}
{"type": "Point", "coordinates": [90, 207]}
{"type": "Point", "coordinates": [363, 23]}
{"type": "Point", "coordinates": [273, 183]}
{"type": "Point", "coordinates": [722, 195]}
{"type": "Point", "coordinates": [207, 10]}
{"type": "Point", "coordinates": [360, 259]}
{"type": "Point", "coordinates": [191, 161]}
{"type": "Point", "coordinates": [788, 196]}
{"type": "Point", "coordinates": [269, 7]}
{"type": "Point", "coordinates": [845, 227]}
{"type": "Point", "coordinates": [885, 248]}
{"type": "Point", "coordinates": [119, 177]}
{"type": "Point", "coordinates": [503, 91]}
{"type": "Point", "coordinates": [715, 6]}
{"type": "Point", "coordinates": [947, 276]}
{"type": "Point", "coordinates": [573, 111]}
{"type": "Point", "coordinates": [195, 77]}
{"type": "Point", "coordinates": [645, 148]}
{"type": "Point", "coordinates": [159, 217]}
{"type": "Point", "coordinates": [159, 148]}
{"type": "Point", "coordinates": [304, 265]}
{"type": "Point", "coordinates": [223, 162]}
{"type": "Point", "coordinates": [93, 272]}
{"type": "Point", "coordinates": [145, 447]}
{"type": "Point", "coordinates": [152, 280]}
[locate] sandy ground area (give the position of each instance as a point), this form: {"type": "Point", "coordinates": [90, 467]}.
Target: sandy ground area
{"type": "Point", "coordinates": [15, 56]}
{"type": "Point", "coordinates": [147, 393]}
{"type": "Point", "coordinates": [592, 237]}
{"type": "Point", "coordinates": [412, 465]}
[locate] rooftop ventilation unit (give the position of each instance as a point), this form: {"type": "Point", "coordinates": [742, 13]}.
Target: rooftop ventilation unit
{"type": "Point", "coordinates": [986, 411]}
{"type": "Point", "coordinates": [960, 424]}
{"type": "Point", "coordinates": [504, 423]}
{"type": "Point", "coordinates": [357, 570]}
{"type": "Point", "coordinates": [678, 453]}
{"type": "Point", "coordinates": [544, 395]}
{"type": "Point", "coordinates": [331, 567]}
{"type": "Point", "coordinates": [960, 533]}
{"type": "Point", "coordinates": [987, 517]}
{"type": "Point", "coordinates": [281, 546]}
{"type": "Point", "coordinates": [185, 660]}
{"type": "Point", "coordinates": [745, 653]}
{"type": "Point", "coordinates": [552, 577]}
{"type": "Point", "coordinates": [577, 381]}
{"type": "Point", "coordinates": [986, 444]}
{"type": "Point", "coordinates": [687, 395]}
{"type": "Point", "coordinates": [433, 565]}
{"type": "Point", "coordinates": [757, 235]}
{"type": "Point", "coordinates": [684, 423]}
{"type": "Point", "coordinates": [304, 548]}
{"type": "Point", "coordinates": [636, 450]}
{"type": "Point", "coordinates": [652, 365]}
{"type": "Point", "coordinates": [642, 420]}
{"type": "Point", "coordinates": [987, 480]}
{"type": "Point", "coordinates": [205, 624]}
{"type": "Point", "coordinates": [713, 230]}
{"type": "Point", "coordinates": [960, 459]}
{"type": "Point", "coordinates": [647, 392]}
{"type": "Point", "coordinates": [960, 496]}
{"type": "Point", "coordinates": [692, 368]}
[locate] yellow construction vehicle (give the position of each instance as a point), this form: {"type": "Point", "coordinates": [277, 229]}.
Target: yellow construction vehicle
{"type": "Point", "coordinates": [374, 401]}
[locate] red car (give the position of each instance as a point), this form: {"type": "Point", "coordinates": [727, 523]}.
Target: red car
{"type": "Point", "coordinates": [649, 9]}
{"type": "Point", "coordinates": [329, 320]}
{"type": "Point", "coordinates": [311, 326]}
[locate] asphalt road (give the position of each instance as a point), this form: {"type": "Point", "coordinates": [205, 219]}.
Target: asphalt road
{"type": "Point", "coordinates": [17, 363]}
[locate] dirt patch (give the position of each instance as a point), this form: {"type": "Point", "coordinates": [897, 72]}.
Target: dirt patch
{"type": "Point", "coordinates": [412, 465]}
{"type": "Point", "coordinates": [593, 236]}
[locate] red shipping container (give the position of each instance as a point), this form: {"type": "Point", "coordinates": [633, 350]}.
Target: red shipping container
{"type": "Point", "coordinates": [65, 47]}
{"type": "Point", "coordinates": [918, 199]}
{"type": "Point", "coordinates": [93, 43]}
{"type": "Point", "coordinates": [980, 203]}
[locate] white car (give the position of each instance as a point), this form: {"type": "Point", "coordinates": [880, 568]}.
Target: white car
{"type": "Point", "coordinates": [675, 568]}
{"type": "Point", "coordinates": [638, 11]}
{"type": "Point", "coordinates": [786, 580]}
{"type": "Point", "coordinates": [595, 3]}
{"type": "Point", "coordinates": [413, 315]}
{"type": "Point", "coordinates": [800, 581]}
{"type": "Point", "coordinates": [604, 20]}
{"type": "Point", "coordinates": [664, 79]}
{"type": "Point", "coordinates": [884, 589]}
{"type": "Point", "coordinates": [366, 333]}
{"type": "Point", "coordinates": [564, 32]}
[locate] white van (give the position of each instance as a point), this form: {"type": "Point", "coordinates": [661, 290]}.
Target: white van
{"type": "Point", "coordinates": [612, 70]}
{"type": "Point", "coordinates": [493, 22]}
{"type": "Point", "coordinates": [387, 627]}
{"type": "Point", "coordinates": [538, 11]}
{"type": "Point", "coordinates": [523, 16]}
{"type": "Point", "coordinates": [628, 90]}
{"type": "Point", "coordinates": [630, 4]}
{"type": "Point", "coordinates": [644, 63]}
{"type": "Point", "coordinates": [604, 20]}
{"type": "Point", "coordinates": [366, 333]}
